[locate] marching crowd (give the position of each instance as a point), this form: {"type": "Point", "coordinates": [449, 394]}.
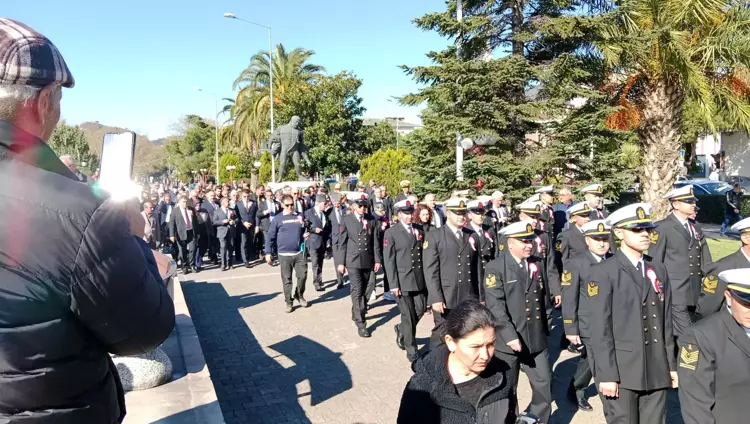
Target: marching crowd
{"type": "Point", "coordinates": [642, 302]}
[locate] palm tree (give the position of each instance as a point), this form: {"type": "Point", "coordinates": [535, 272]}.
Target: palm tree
{"type": "Point", "coordinates": [664, 52]}
{"type": "Point", "coordinates": [249, 112]}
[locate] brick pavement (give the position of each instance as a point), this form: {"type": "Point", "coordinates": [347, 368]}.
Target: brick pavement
{"type": "Point", "coordinates": [310, 366]}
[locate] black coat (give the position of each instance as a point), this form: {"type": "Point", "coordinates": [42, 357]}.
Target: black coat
{"type": "Point", "coordinates": [631, 328]}
{"type": "Point", "coordinates": [711, 299]}
{"type": "Point", "coordinates": [317, 241]}
{"type": "Point", "coordinates": [683, 255]}
{"type": "Point", "coordinates": [178, 225]}
{"type": "Point", "coordinates": [714, 371]}
{"type": "Point", "coordinates": [265, 213]}
{"type": "Point", "coordinates": [336, 224]}
{"type": "Point", "coordinates": [517, 299]}
{"type": "Point", "coordinates": [451, 266]}
{"type": "Point", "coordinates": [72, 293]}
{"type": "Point", "coordinates": [576, 311]}
{"type": "Point", "coordinates": [402, 258]}
{"type": "Point", "coordinates": [248, 215]}
{"type": "Point", "coordinates": [571, 242]}
{"type": "Point", "coordinates": [431, 397]}
{"type": "Point", "coordinates": [358, 245]}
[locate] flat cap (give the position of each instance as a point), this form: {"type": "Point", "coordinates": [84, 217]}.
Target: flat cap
{"type": "Point", "coordinates": [29, 58]}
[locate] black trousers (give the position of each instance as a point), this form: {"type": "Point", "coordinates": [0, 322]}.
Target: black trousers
{"type": "Point", "coordinates": [237, 245]}
{"type": "Point", "coordinates": [438, 331]}
{"type": "Point", "coordinates": [298, 263]}
{"type": "Point", "coordinates": [247, 245]}
{"type": "Point", "coordinates": [225, 249]}
{"type": "Point", "coordinates": [213, 246]}
{"type": "Point", "coordinates": [637, 407]}
{"type": "Point", "coordinates": [201, 246]}
{"type": "Point", "coordinates": [412, 307]}
{"type": "Point", "coordinates": [582, 377]}
{"type": "Point", "coordinates": [316, 257]}
{"type": "Point", "coordinates": [339, 276]}
{"type": "Point", "coordinates": [537, 369]}
{"type": "Point", "coordinates": [358, 279]}
{"type": "Point", "coordinates": [259, 242]}
{"type": "Point", "coordinates": [373, 280]}
{"type": "Point", "coordinates": [187, 250]}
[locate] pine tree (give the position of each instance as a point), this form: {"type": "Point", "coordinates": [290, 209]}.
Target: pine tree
{"type": "Point", "coordinates": [520, 74]}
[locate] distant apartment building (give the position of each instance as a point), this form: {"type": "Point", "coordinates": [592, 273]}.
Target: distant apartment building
{"type": "Point", "coordinates": [402, 127]}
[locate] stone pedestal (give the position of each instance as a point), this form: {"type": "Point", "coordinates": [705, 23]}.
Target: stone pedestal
{"type": "Point", "coordinates": [140, 372]}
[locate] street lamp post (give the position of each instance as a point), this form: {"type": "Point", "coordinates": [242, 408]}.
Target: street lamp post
{"type": "Point", "coordinates": [397, 119]}
{"type": "Point", "coordinates": [231, 169]}
{"type": "Point", "coordinates": [216, 126]}
{"type": "Point", "coordinates": [270, 75]}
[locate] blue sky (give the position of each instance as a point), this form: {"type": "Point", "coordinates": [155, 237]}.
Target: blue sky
{"type": "Point", "coordinates": [136, 62]}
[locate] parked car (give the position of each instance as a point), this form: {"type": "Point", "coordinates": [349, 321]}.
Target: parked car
{"type": "Point", "coordinates": [744, 182]}
{"type": "Point", "coordinates": [705, 186]}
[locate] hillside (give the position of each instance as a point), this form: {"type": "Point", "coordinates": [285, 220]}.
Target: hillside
{"type": "Point", "coordinates": [148, 157]}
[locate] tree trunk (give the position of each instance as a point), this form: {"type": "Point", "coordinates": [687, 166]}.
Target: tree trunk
{"type": "Point", "coordinates": [516, 27]}
{"type": "Point", "coordinates": [660, 135]}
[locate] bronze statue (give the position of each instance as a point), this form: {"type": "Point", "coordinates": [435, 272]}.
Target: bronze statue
{"type": "Point", "coordinates": [287, 141]}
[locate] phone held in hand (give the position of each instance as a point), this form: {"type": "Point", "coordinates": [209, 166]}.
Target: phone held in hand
{"type": "Point", "coordinates": [116, 170]}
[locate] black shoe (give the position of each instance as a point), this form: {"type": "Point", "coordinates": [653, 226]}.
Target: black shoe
{"type": "Point", "coordinates": [224, 268]}
{"type": "Point", "coordinates": [411, 357]}
{"type": "Point", "coordinates": [196, 269]}
{"type": "Point", "coordinates": [247, 265]}
{"type": "Point", "coordinates": [584, 405]}
{"type": "Point", "coordinates": [319, 288]}
{"type": "Point", "coordinates": [340, 286]}
{"type": "Point", "coordinates": [363, 333]}
{"type": "Point", "coordinates": [186, 271]}
{"type": "Point", "coordinates": [399, 337]}
{"type": "Point", "coordinates": [302, 302]}
{"type": "Point", "coordinates": [289, 308]}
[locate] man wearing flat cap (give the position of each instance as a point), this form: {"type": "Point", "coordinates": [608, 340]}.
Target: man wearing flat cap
{"type": "Point", "coordinates": [714, 359]}
{"type": "Point", "coordinates": [451, 263]}
{"type": "Point", "coordinates": [678, 242]}
{"type": "Point", "coordinates": [630, 301]}
{"type": "Point", "coordinates": [320, 233]}
{"type": "Point", "coordinates": [75, 272]}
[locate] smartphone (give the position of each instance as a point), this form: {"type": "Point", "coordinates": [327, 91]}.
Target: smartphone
{"type": "Point", "coordinates": [116, 168]}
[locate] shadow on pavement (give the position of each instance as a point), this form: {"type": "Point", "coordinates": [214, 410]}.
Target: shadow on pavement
{"type": "Point", "coordinates": [199, 414]}
{"type": "Point", "coordinates": [383, 318]}
{"type": "Point", "coordinates": [566, 410]}
{"type": "Point", "coordinates": [251, 385]}
{"type": "Point", "coordinates": [331, 295]}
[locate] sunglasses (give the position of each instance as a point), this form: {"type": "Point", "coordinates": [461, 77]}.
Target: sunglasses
{"type": "Point", "coordinates": [288, 205]}
{"type": "Point", "coordinates": [640, 230]}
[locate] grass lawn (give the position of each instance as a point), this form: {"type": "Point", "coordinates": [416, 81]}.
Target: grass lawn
{"type": "Point", "coordinates": [722, 247]}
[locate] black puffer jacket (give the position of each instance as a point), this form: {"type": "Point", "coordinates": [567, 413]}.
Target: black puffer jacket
{"type": "Point", "coordinates": [431, 397]}
{"type": "Point", "coordinates": [74, 285]}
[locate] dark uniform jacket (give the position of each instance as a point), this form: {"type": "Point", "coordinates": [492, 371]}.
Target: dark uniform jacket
{"type": "Point", "coordinates": [571, 242]}
{"type": "Point", "coordinates": [487, 238]}
{"type": "Point", "coordinates": [631, 327]}
{"type": "Point", "coordinates": [357, 245]}
{"type": "Point", "coordinates": [451, 266]}
{"type": "Point", "coordinates": [547, 220]}
{"type": "Point", "coordinates": [543, 250]}
{"type": "Point", "coordinates": [714, 371]}
{"type": "Point", "coordinates": [575, 298]}
{"type": "Point", "coordinates": [402, 258]}
{"type": "Point", "coordinates": [712, 289]}
{"type": "Point", "coordinates": [516, 296]}
{"type": "Point", "coordinates": [683, 255]}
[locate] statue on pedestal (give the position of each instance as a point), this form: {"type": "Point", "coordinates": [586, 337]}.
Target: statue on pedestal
{"type": "Point", "coordinates": [287, 141]}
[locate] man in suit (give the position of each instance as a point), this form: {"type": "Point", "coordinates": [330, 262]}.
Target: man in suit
{"type": "Point", "coordinates": [166, 208]}
{"type": "Point", "coordinates": [300, 206]}
{"type": "Point", "coordinates": [246, 210]}
{"type": "Point", "coordinates": [678, 242]}
{"type": "Point", "coordinates": [210, 205]}
{"type": "Point", "coordinates": [499, 214]}
{"type": "Point", "coordinates": [711, 299]}
{"type": "Point", "coordinates": [571, 242]}
{"type": "Point", "coordinates": [516, 291]}
{"type": "Point", "coordinates": [182, 230]}
{"type": "Point", "coordinates": [320, 233]}
{"type": "Point", "coordinates": [360, 254]}
{"type": "Point", "coordinates": [152, 230]}
{"type": "Point", "coordinates": [387, 202]}
{"type": "Point", "coordinates": [224, 221]}
{"type": "Point", "coordinates": [402, 259]}
{"type": "Point", "coordinates": [487, 240]}
{"type": "Point", "coordinates": [451, 262]}
{"type": "Point", "coordinates": [267, 210]}
{"type": "Point", "coordinates": [336, 214]}
{"type": "Point", "coordinates": [593, 194]}
{"type": "Point", "coordinates": [714, 359]}
{"type": "Point", "coordinates": [381, 224]}
{"type": "Point", "coordinates": [438, 217]}
{"type": "Point", "coordinates": [575, 309]}
{"type": "Point", "coordinates": [631, 324]}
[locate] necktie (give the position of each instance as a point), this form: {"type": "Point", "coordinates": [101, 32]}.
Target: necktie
{"type": "Point", "coordinates": [322, 220]}
{"type": "Point", "coordinates": [187, 220]}
{"type": "Point", "coordinates": [599, 213]}
{"type": "Point", "coordinates": [245, 203]}
{"type": "Point", "coordinates": [525, 268]}
{"type": "Point", "coordinates": [338, 215]}
{"type": "Point", "coordinates": [639, 267]}
{"type": "Point", "coordinates": [687, 228]}
{"type": "Point", "coordinates": [458, 234]}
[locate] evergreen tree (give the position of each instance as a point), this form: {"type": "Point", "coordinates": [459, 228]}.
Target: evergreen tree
{"type": "Point", "coordinates": [521, 76]}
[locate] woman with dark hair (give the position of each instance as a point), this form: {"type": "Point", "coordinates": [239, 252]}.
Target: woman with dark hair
{"type": "Point", "coordinates": [423, 216]}
{"type": "Point", "coordinates": [461, 381]}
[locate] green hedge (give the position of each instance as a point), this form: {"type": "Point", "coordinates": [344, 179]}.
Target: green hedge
{"type": "Point", "coordinates": [711, 206]}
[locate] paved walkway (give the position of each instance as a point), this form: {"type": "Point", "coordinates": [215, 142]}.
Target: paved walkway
{"type": "Point", "coordinates": [310, 366]}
